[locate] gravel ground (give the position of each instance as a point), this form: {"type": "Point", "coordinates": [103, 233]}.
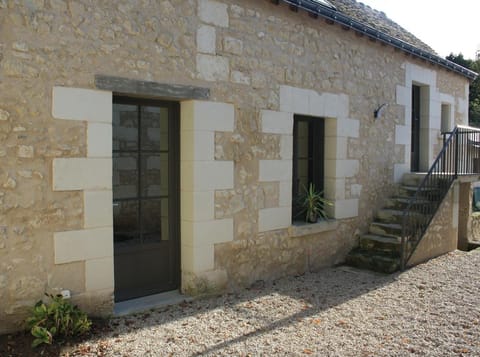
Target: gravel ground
{"type": "Point", "coordinates": [430, 310]}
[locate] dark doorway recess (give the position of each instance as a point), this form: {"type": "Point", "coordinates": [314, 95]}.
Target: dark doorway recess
{"type": "Point", "coordinates": [415, 152]}
{"type": "Point", "coordinates": [145, 197]}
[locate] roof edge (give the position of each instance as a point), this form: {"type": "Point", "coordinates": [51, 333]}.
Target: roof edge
{"type": "Point", "coordinates": [319, 10]}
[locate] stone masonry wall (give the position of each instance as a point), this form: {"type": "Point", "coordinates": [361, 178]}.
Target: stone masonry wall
{"type": "Point", "coordinates": [243, 51]}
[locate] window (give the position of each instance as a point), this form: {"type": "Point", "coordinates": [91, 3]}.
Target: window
{"type": "Point", "coordinates": [308, 157]}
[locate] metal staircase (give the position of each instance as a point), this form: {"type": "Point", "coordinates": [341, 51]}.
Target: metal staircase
{"type": "Point", "coordinates": [400, 226]}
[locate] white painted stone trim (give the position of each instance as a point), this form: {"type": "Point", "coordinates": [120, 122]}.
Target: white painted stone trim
{"type": "Point", "coordinates": [201, 175]}
{"type": "Point", "coordinates": [334, 108]}
{"type": "Point", "coordinates": [70, 174]}
{"type": "Point", "coordinates": [430, 117]}
{"type": "Point", "coordinates": [85, 244]}
{"type": "Point", "coordinates": [82, 104]}
{"type": "Point", "coordinates": [93, 174]}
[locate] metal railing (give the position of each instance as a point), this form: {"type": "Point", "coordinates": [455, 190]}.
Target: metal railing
{"type": "Point", "coordinates": [460, 155]}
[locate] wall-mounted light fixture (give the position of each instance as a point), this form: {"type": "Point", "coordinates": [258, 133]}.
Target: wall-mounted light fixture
{"type": "Point", "coordinates": [377, 113]}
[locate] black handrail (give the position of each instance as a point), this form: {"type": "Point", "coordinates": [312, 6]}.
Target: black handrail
{"type": "Point", "coordinates": [460, 155]}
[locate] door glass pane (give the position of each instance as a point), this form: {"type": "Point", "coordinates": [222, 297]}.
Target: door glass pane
{"type": "Point", "coordinates": [125, 218]}
{"type": "Point", "coordinates": [125, 122]}
{"type": "Point", "coordinates": [154, 128]}
{"type": "Point", "coordinates": [154, 175]}
{"type": "Point", "coordinates": [125, 175]}
{"type": "Point", "coordinates": [155, 220]}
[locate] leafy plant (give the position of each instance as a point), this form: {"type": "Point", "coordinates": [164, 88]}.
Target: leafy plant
{"type": "Point", "coordinates": [57, 318]}
{"type": "Point", "coordinates": [313, 204]}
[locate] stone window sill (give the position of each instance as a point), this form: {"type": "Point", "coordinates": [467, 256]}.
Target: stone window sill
{"type": "Point", "coordinates": [299, 228]}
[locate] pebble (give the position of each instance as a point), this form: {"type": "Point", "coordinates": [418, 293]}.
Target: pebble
{"type": "Point", "coordinates": [430, 310]}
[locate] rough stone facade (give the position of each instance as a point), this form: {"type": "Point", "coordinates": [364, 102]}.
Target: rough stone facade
{"type": "Point", "coordinates": [261, 61]}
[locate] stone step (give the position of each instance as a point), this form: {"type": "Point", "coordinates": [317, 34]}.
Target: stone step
{"type": "Point", "coordinates": [413, 178]}
{"type": "Point", "coordinates": [409, 191]}
{"type": "Point", "coordinates": [401, 203]}
{"type": "Point", "coordinates": [395, 216]}
{"type": "Point", "coordinates": [365, 259]}
{"type": "Point", "coordinates": [386, 229]}
{"type": "Point", "coordinates": [376, 243]}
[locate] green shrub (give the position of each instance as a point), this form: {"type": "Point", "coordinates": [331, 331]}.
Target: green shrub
{"type": "Point", "coordinates": [58, 318]}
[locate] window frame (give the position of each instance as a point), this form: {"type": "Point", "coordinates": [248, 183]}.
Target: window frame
{"type": "Point", "coordinates": [315, 157]}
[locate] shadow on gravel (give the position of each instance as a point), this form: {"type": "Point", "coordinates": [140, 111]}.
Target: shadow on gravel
{"type": "Point", "coordinates": [316, 291]}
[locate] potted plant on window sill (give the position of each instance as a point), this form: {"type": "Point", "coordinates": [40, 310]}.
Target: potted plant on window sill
{"type": "Point", "coordinates": [313, 204]}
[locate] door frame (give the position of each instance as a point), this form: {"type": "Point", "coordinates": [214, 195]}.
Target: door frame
{"type": "Point", "coordinates": [173, 176]}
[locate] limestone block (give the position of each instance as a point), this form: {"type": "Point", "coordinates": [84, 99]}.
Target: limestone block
{"type": "Point", "coordinates": [197, 206]}
{"type": "Point", "coordinates": [71, 246]}
{"type": "Point", "coordinates": [206, 175]}
{"type": "Point", "coordinates": [355, 190]}
{"type": "Point", "coordinates": [403, 95]}
{"type": "Point", "coordinates": [82, 104]}
{"type": "Point", "coordinates": [99, 140]}
{"type": "Point", "coordinates": [277, 122]}
{"type": "Point", "coordinates": [399, 170]}
{"type": "Point", "coordinates": [4, 115]}
{"type": "Point", "coordinates": [346, 208]}
{"type": "Point", "coordinates": [341, 168]}
{"type": "Point", "coordinates": [206, 39]}
{"type": "Point", "coordinates": [348, 128]}
{"type": "Point", "coordinates": [285, 194]}
{"type": "Point", "coordinates": [207, 233]}
{"type": "Point", "coordinates": [197, 259]}
{"type": "Point", "coordinates": [213, 12]}
{"type": "Point", "coordinates": [99, 274]}
{"type": "Point", "coordinates": [239, 78]}
{"type": "Point", "coordinates": [286, 147]}
{"type": "Point", "coordinates": [197, 145]}
{"type": "Point", "coordinates": [82, 174]}
{"type": "Point", "coordinates": [213, 68]}
{"type": "Point", "coordinates": [25, 152]}
{"type": "Point", "coordinates": [334, 188]}
{"type": "Point", "coordinates": [211, 116]}
{"type": "Point", "coordinates": [309, 102]}
{"type": "Point", "coordinates": [98, 208]}
{"type": "Point", "coordinates": [335, 148]}
{"type": "Point", "coordinates": [275, 170]}
{"type": "Point", "coordinates": [233, 45]}
{"type": "Point", "coordinates": [274, 218]}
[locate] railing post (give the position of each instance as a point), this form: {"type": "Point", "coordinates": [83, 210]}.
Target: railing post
{"type": "Point", "coordinates": [403, 242]}
{"type": "Point", "coordinates": [456, 154]}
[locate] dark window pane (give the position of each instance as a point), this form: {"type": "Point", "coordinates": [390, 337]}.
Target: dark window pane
{"type": "Point", "coordinates": [154, 128]}
{"type": "Point", "coordinates": [154, 176]}
{"type": "Point", "coordinates": [125, 175]}
{"type": "Point", "coordinates": [125, 123]}
{"type": "Point", "coordinates": [155, 219]}
{"type": "Point", "coordinates": [125, 218]}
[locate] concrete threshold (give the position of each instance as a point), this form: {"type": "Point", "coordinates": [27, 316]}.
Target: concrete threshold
{"type": "Point", "coordinates": [149, 302]}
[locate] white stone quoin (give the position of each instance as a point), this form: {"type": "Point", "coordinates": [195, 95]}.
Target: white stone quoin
{"type": "Point", "coordinates": [92, 245]}
{"type": "Point", "coordinates": [201, 176]}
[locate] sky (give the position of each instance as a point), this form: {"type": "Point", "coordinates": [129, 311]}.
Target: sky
{"type": "Point", "coordinates": [446, 26]}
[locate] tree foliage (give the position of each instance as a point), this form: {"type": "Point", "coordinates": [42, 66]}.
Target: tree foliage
{"type": "Point", "coordinates": [474, 99]}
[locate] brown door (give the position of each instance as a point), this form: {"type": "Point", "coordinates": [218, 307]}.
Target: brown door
{"type": "Point", "coordinates": [415, 152]}
{"type": "Point", "coordinates": [145, 197]}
